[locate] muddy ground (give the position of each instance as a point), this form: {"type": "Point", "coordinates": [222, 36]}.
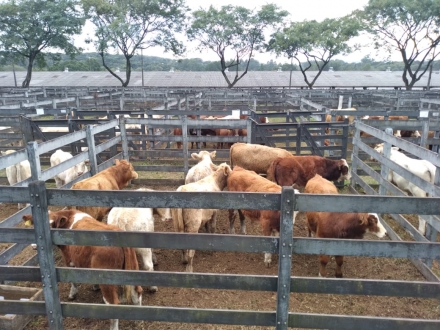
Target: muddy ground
{"type": "Point", "coordinates": [242, 263]}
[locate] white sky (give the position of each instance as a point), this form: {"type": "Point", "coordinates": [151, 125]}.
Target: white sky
{"type": "Point", "coordinates": [299, 10]}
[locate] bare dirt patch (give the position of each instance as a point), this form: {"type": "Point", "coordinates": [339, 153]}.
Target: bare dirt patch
{"type": "Point", "coordinates": [246, 263]}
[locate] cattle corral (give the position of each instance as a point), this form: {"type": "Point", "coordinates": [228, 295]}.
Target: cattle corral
{"type": "Point", "coordinates": [186, 291]}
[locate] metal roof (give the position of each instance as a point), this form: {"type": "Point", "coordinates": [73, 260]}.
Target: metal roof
{"type": "Point", "coordinates": [214, 79]}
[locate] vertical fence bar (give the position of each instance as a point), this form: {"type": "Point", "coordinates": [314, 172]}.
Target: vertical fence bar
{"type": "Point", "coordinates": [91, 146]}
{"type": "Point", "coordinates": [355, 155]}
{"type": "Point", "coordinates": [34, 160]}
{"type": "Point", "coordinates": [285, 256]}
{"type": "Point", "coordinates": [185, 143]}
{"type": "Point", "coordinates": [37, 190]}
{"type": "Point", "coordinates": [383, 169]}
{"type": "Point", "coordinates": [124, 140]}
{"type": "Point", "coordinates": [249, 128]}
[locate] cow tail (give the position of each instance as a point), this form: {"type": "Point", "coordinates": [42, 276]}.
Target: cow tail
{"type": "Point", "coordinates": [130, 263]}
{"type": "Point", "coordinates": [230, 156]}
{"type": "Point", "coordinates": [177, 215]}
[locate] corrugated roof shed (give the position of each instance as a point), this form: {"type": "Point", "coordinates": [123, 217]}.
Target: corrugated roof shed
{"type": "Point", "coordinates": [328, 79]}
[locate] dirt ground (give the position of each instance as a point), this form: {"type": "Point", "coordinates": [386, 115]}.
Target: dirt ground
{"type": "Point", "coordinates": [243, 263]}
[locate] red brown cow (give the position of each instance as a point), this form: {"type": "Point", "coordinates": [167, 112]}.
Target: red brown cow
{"type": "Point", "coordinates": [248, 181]}
{"type": "Point", "coordinates": [338, 225]}
{"type": "Point", "coordinates": [115, 177]}
{"type": "Point", "coordinates": [300, 169]}
{"type": "Point", "coordinates": [96, 257]}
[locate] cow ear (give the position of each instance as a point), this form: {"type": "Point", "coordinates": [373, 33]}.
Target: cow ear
{"type": "Point", "coordinates": [195, 156]}
{"type": "Point", "coordinates": [62, 222]}
{"type": "Point", "coordinates": [116, 161]}
{"type": "Point", "coordinates": [213, 154]}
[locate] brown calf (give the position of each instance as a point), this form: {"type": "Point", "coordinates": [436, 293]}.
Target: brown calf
{"type": "Point", "coordinates": [96, 257]}
{"type": "Point", "coordinates": [249, 181]}
{"type": "Point", "coordinates": [338, 225]}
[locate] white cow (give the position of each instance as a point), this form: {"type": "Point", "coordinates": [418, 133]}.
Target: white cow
{"type": "Point", "coordinates": [139, 219]}
{"type": "Point", "coordinates": [203, 168]}
{"type": "Point", "coordinates": [70, 174]}
{"type": "Point", "coordinates": [190, 220]}
{"type": "Point", "coordinates": [18, 172]}
{"type": "Point", "coordinates": [420, 167]}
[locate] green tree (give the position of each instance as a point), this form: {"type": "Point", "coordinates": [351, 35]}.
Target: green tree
{"type": "Point", "coordinates": [129, 25]}
{"type": "Point", "coordinates": [29, 27]}
{"type": "Point", "coordinates": [316, 42]}
{"type": "Point", "coordinates": [408, 26]}
{"type": "Point", "coordinates": [233, 30]}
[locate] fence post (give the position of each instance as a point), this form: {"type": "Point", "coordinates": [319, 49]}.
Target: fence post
{"type": "Point", "coordinates": [383, 169]}
{"type": "Point", "coordinates": [287, 219]}
{"type": "Point", "coordinates": [34, 160]}
{"type": "Point", "coordinates": [38, 198]}
{"type": "Point", "coordinates": [249, 129]}
{"type": "Point", "coordinates": [185, 143]}
{"type": "Point", "coordinates": [355, 155]}
{"type": "Point", "coordinates": [26, 129]}
{"type": "Point", "coordinates": [124, 140]}
{"type": "Point", "coordinates": [91, 149]}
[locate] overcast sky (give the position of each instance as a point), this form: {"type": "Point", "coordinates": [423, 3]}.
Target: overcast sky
{"type": "Point", "coordinates": [299, 10]}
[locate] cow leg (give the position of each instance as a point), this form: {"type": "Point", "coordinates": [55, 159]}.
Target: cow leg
{"type": "Point", "coordinates": [146, 255]}
{"type": "Point", "coordinates": [267, 232]}
{"type": "Point", "coordinates": [242, 223]}
{"type": "Point", "coordinates": [155, 263]}
{"type": "Point", "coordinates": [211, 225]}
{"type": "Point", "coordinates": [231, 221]}
{"type": "Point", "coordinates": [189, 266]}
{"type": "Point", "coordinates": [114, 323]}
{"type": "Point", "coordinates": [339, 261]}
{"type": "Point", "coordinates": [323, 261]}
{"type": "Point", "coordinates": [422, 226]}
{"type": "Point", "coordinates": [58, 182]}
{"type": "Point", "coordinates": [73, 291]}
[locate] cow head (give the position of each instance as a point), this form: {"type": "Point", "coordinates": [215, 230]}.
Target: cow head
{"type": "Point", "coordinates": [81, 168]}
{"type": "Point", "coordinates": [127, 172]}
{"type": "Point", "coordinates": [374, 225]}
{"type": "Point", "coordinates": [203, 155]}
{"type": "Point", "coordinates": [344, 170]}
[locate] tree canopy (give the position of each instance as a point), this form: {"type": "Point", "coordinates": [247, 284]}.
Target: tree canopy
{"type": "Point", "coordinates": [408, 26]}
{"type": "Point", "coordinates": [128, 26]}
{"type": "Point", "coordinates": [313, 44]}
{"type": "Point", "coordinates": [29, 27]}
{"type": "Point", "coordinates": [234, 33]}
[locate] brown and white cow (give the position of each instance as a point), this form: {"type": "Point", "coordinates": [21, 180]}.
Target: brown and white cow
{"type": "Point", "coordinates": [139, 219]}
{"type": "Point", "coordinates": [115, 177]}
{"type": "Point", "coordinates": [300, 169]}
{"type": "Point", "coordinates": [190, 220]}
{"type": "Point", "coordinates": [96, 257]}
{"type": "Point", "coordinates": [255, 157]}
{"type": "Point", "coordinates": [338, 225]}
{"type": "Point", "coordinates": [203, 168]}
{"type": "Point", "coordinates": [242, 180]}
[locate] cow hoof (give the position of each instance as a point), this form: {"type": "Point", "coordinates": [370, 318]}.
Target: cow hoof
{"type": "Point", "coordinates": [268, 263]}
{"type": "Point", "coordinates": [72, 297]}
{"type": "Point", "coordinates": [338, 275]}
{"type": "Point", "coordinates": [95, 287]}
{"type": "Point", "coordinates": [155, 263]}
{"type": "Point", "coordinates": [152, 289]}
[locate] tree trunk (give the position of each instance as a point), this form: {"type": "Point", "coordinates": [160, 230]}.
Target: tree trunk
{"type": "Point", "coordinates": [26, 82]}
{"type": "Point", "coordinates": [127, 72]}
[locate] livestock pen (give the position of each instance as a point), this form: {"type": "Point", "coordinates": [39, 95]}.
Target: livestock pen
{"type": "Point", "coordinates": [284, 282]}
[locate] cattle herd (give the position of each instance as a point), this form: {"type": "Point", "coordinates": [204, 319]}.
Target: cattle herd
{"type": "Point", "coordinates": [248, 162]}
